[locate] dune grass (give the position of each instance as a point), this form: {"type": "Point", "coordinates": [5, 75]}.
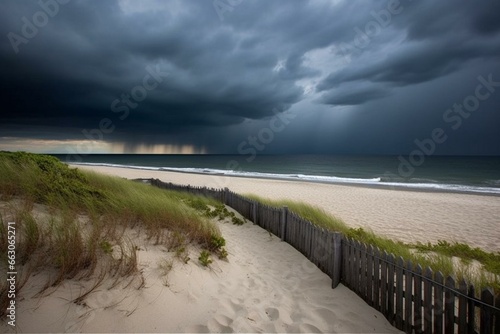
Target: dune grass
{"type": "Point", "coordinates": [45, 180]}
{"type": "Point", "coordinates": [321, 218]}
{"type": "Point", "coordinates": [490, 261]}
{"type": "Point", "coordinates": [439, 257]}
{"type": "Point", "coordinates": [83, 231]}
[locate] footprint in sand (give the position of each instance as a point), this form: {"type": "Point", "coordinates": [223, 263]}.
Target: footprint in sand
{"type": "Point", "coordinates": [272, 313]}
{"type": "Point", "coordinates": [308, 328]}
{"type": "Point", "coordinates": [223, 320]}
{"type": "Point", "coordinates": [232, 307]}
{"type": "Point", "coordinates": [250, 283]}
{"type": "Point", "coordinates": [215, 326]}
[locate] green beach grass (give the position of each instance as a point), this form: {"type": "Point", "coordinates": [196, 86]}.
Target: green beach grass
{"type": "Point", "coordinates": [84, 219]}
{"type": "Point", "coordinates": [439, 257]}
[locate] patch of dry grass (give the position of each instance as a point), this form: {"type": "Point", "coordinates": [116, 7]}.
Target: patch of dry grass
{"type": "Point", "coordinates": [81, 234]}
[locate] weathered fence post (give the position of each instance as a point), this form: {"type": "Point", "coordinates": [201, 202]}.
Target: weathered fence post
{"type": "Point", "coordinates": [337, 259]}
{"type": "Point", "coordinates": [399, 292]}
{"type": "Point", "coordinates": [439, 303]}
{"type": "Point", "coordinates": [390, 287]}
{"type": "Point", "coordinates": [471, 319]}
{"type": "Point", "coordinates": [408, 296]}
{"type": "Point", "coordinates": [428, 275]}
{"type": "Point", "coordinates": [284, 214]}
{"type": "Point", "coordinates": [449, 306]}
{"type": "Point", "coordinates": [486, 317]}
{"type": "Point", "coordinates": [254, 213]}
{"type": "Point", "coordinates": [418, 300]}
{"type": "Point", "coordinates": [462, 307]}
{"type": "Point", "coordinates": [225, 195]}
{"type": "Point", "coordinates": [497, 316]}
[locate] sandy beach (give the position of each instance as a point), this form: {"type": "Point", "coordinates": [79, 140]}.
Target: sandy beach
{"type": "Point", "coordinates": [264, 286]}
{"type": "Point", "coordinates": [409, 216]}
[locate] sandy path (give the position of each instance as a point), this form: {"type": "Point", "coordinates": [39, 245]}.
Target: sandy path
{"type": "Point", "coordinates": [408, 216]}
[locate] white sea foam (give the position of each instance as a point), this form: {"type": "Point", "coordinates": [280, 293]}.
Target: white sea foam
{"type": "Point", "coordinates": [427, 185]}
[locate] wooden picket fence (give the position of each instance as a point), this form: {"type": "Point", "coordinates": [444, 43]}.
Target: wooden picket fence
{"type": "Point", "coordinates": [412, 299]}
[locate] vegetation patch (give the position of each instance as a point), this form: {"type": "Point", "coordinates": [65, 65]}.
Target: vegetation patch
{"type": "Point", "coordinates": [165, 266]}
{"type": "Point", "coordinates": [204, 258]}
{"type": "Point", "coordinates": [218, 211]}
{"type": "Point", "coordinates": [44, 179]}
{"type": "Point", "coordinates": [222, 254]}
{"type": "Point", "coordinates": [88, 213]}
{"type": "Point", "coordinates": [490, 261]}
{"type": "Point", "coordinates": [237, 221]}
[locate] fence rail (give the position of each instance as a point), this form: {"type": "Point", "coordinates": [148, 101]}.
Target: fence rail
{"type": "Point", "coordinates": [413, 299]}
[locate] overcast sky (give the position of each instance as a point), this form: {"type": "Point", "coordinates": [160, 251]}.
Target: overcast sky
{"type": "Point", "coordinates": [228, 76]}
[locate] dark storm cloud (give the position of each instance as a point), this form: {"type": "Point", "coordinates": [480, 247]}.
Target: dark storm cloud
{"type": "Point", "coordinates": [263, 57]}
{"type": "Point", "coordinates": [92, 52]}
{"type": "Point", "coordinates": [439, 39]}
{"type": "Point", "coordinates": [430, 19]}
{"type": "Point", "coordinates": [355, 94]}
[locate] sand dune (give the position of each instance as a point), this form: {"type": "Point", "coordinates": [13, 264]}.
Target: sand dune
{"type": "Point", "coordinates": [265, 286]}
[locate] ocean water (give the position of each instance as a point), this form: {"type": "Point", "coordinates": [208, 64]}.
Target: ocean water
{"type": "Point", "coordinates": [445, 173]}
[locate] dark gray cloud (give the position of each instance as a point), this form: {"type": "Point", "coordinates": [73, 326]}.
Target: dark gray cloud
{"type": "Point", "coordinates": [437, 39]}
{"type": "Point", "coordinates": [352, 94]}
{"type": "Point", "coordinates": [75, 70]}
{"type": "Point", "coordinates": [219, 80]}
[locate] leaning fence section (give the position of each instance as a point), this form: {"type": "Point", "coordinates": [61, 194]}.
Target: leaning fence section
{"type": "Point", "coordinates": [413, 299]}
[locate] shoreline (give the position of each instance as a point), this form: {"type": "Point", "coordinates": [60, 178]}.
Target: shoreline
{"type": "Point", "coordinates": [408, 216]}
{"type": "Point", "coordinates": [398, 186]}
